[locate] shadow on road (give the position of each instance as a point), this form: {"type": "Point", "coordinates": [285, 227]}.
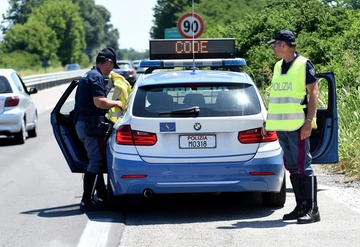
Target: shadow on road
{"type": "Point", "coordinates": [179, 209]}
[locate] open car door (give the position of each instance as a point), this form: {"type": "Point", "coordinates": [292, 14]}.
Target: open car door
{"type": "Point", "coordinates": [324, 139]}
{"type": "Point", "coordinates": [65, 133]}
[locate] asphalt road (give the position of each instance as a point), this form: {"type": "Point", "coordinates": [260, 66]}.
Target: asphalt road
{"type": "Point", "coordinates": [40, 199]}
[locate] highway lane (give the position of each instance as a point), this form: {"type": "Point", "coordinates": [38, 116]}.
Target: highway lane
{"type": "Point", "coordinates": [40, 199]}
{"type": "Point", "coordinates": [39, 195]}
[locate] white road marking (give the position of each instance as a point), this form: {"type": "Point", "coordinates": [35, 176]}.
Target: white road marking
{"type": "Point", "coordinates": [95, 233]}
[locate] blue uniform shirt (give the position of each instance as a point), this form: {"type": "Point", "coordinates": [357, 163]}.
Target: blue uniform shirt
{"type": "Point", "coordinates": [92, 84]}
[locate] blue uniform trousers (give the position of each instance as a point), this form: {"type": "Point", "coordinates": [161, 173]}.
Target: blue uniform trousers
{"type": "Point", "coordinates": [95, 148]}
{"type": "Point", "coordinates": [296, 153]}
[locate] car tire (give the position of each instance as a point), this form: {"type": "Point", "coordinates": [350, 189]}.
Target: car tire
{"type": "Point", "coordinates": [33, 132]}
{"type": "Point", "coordinates": [20, 136]}
{"type": "Point", "coordinates": [275, 199]}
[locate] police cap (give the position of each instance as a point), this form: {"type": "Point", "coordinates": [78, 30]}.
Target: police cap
{"type": "Point", "coordinates": [284, 35]}
{"type": "Point", "coordinates": [109, 53]}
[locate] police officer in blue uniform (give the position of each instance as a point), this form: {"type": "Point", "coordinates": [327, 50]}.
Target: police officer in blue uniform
{"type": "Point", "coordinates": [91, 106]}
{"type": "Point", "coordinates": [294, 124]}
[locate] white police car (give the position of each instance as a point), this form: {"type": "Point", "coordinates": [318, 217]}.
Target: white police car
{"type": "Point", "coordinates": [198, 130]}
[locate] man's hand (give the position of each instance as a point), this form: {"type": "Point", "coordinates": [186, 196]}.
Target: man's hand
{"type": "Point", "coordinates": [119, 104]}
{"type": "Point", "coordinates": [305, 131]}
{"type": "Point", "coordinates": [264, 132]}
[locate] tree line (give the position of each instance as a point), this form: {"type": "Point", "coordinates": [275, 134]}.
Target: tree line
{"type": "Point", "coordinates": [58, 31]}
{"type": "Point", "coordinates": [73, 31]}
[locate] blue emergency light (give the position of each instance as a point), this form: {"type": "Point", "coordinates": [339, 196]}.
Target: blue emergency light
{"type": "Point", "coordinates": [163, 64]}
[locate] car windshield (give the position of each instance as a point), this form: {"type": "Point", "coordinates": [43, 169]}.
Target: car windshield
{"type": "Point", "coordinates": [124, 65]}
{"type": "Point", "coordinates": [204, 100]}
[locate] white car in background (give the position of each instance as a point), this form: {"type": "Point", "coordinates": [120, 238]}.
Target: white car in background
{"type": "Point", "coordinates": [18, 113]}
{"type": "Point", "coordinates": [136, 65]}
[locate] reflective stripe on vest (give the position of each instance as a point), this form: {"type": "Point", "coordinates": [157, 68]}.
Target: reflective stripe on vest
{"type": "Point", "coordinates": [285, 111]}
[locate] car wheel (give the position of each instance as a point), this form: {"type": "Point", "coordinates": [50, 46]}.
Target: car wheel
{"type": "Point", "coordinates": [33, 132]}
{"type": "Point", "coordinates": [275, 199]}
{"type": "Point", "coordinates": [20, 136]}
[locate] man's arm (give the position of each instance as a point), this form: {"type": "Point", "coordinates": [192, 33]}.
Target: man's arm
{"type": "Point", "coordinates": [105, 103]}
{"type": "Point", "coordinates": [312, 89]}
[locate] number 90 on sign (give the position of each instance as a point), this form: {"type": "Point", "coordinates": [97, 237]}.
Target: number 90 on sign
{"type": "Point", "coordinates": [190, 25]}
{"type": "Point", "coordinates": [197, 141]}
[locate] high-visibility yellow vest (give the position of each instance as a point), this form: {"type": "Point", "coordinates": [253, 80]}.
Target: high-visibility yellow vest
{"type": "Point", "coordinates": [285, 111]}
{"type": "Point", "coordinates": [122, 92]}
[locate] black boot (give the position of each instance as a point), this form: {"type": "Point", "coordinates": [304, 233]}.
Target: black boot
{"type": "Point", "coordinates": [298, 189]}
{"type": "Point", "coordinates": [101, 192]}
{"type": "Point", "coordinates": [312, 210]}
{"type": "Point", "coordinates": [87, 203]}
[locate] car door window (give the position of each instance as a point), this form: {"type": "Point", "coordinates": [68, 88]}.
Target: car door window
{"type": "Point", "coordinates": [17, 82]}
{"type": "Point", "coordinates": [324, 139]}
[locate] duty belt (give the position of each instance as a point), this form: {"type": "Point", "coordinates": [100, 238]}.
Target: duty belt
{"type": "Point", "coordinates": [90, 118]}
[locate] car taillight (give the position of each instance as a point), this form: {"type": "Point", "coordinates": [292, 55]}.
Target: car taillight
{"type": "Point", "coordinates": [126, 136]}
{"type": "Point", "coordinates": [12, 101]}
{"type": "Point", "coordinates": [254, 136]}
{"type": "Point", "coordinates": [131, 72]}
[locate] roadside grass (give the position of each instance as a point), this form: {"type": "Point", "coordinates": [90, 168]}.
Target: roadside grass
{"type": "Point", "coordinates": [28, 72]}
{"type": "Point", "coordinates": [348, 101]}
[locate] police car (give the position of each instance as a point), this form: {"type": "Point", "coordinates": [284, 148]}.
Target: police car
{"type": "Point", "coordinates": [194, 126]}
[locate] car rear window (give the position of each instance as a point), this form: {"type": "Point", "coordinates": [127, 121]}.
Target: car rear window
{"type": "Point", "coordinates": [124, 65]}
{"type": "Point", "coordinates": [4, 85]}
{"type": "Point", "coordinates": [213, 100]}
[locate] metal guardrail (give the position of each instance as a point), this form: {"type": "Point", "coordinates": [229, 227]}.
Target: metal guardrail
{"type": "Point", "coordinates": [43, 81]}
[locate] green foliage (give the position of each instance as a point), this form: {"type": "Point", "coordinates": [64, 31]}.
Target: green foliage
{"type": "Point", "coordinates": [53, 30]}
{"type": "Point", "coordinates": [62, 17]}
{"type": "Point", "coordinates": [319, 29]}
{"type": "Point", "coordinates": [32, 37]}
{"type": "Point", "coordinates": [95, 24]}
{"type": "Point", "coordinates": [18, 12]}
{"type": "Point", "coordinates": [349, 134]}
{"type": "Point", "coordinates": [131, 54]}
{"type": "Point", "coordinates": [165, 16]}
{"type": "Point", "coordinates": [213, 12]}
{"type": "Point", "coordinates": [100, 32]}
{"type": "Point", "coordinates": [20, 60]}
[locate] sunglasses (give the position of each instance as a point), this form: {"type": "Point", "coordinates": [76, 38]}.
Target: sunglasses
{"type": "Point", "coordinates": [277, 43]}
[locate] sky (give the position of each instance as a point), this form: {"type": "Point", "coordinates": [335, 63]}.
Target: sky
{"type": "Point", "coordinates": [133, 19]}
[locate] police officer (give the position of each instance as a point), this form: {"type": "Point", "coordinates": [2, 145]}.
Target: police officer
{"type": "Point", "coordinates": [91, 105]}
{"type": "Point", "coordinates": [291, 113]}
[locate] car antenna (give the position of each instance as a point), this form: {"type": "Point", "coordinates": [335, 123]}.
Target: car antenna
{"type": "Point", "coordinates": [193, 39]}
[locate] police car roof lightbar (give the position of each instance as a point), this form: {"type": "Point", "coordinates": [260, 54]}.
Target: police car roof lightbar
{"type": "Point", "coordinates": [163, 64]}
{"type": "Point", "coordinates": [192, 49]}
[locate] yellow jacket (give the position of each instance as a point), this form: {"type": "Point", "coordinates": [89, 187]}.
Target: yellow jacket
{"type": "Point", "coordinates": [122, 92]}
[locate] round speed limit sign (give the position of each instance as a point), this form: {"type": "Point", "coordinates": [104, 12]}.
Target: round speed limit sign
{"type": "Point", "coordinates": [190, 25]}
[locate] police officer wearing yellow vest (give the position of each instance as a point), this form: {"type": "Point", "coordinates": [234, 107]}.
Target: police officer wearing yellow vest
{"type": "Point", "coordinates": [291, 110]}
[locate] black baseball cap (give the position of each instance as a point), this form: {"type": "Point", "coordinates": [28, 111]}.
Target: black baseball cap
{"type": "Point", "coordinates": [284, 35]}
{"type": "Point", "coordinates": [109, 53]}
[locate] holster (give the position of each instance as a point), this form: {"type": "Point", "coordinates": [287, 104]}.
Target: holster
{"type": "Point", "coordinates": [96, 125]}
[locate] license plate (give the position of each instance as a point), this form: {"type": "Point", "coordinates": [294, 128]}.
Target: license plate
{"type": "Point", "coordinates": [197, 141]}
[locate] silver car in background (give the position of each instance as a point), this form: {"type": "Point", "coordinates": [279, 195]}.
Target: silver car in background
{"type": "Point", "coordinates": [136, 64]}
{"type": "Point", "coordinates": [18, 113]}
